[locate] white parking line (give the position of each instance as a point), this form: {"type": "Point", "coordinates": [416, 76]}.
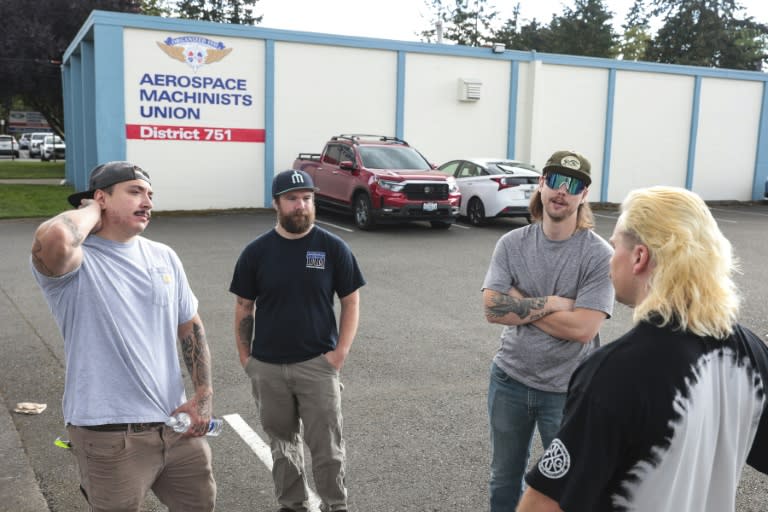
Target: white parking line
{"type": "Point", "coordinates": [262, 451]}
{"type": "Point", "coordinates": [741, 212]}
{"type": "Point", "coordinates": [457, 225]}
{"type": "Point", "coordinates": [335, 226]}
{"type": "Point", "coordinates": [606, 216]}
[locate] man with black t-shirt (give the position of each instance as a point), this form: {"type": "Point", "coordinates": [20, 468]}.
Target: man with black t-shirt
{"type": "Point", "coordinates": [289, 344]}
{"type": "Point", "coordinates": [664, 418]}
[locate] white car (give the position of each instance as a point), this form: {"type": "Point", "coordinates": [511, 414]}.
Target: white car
{"type": "Point", "coordinates": [52, 147]}
{"type": "Point", "coordinates": [493, 187]}
{"type": "Point", "coordinates": [9, 146]}
{"type": "Point", "coordinates": [35, 139]}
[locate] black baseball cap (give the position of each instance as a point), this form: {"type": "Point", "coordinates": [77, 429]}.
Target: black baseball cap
{"type": "Point", "coordinates": [292, 179]}
{"type": "Point", "coordinates": [106, 175]}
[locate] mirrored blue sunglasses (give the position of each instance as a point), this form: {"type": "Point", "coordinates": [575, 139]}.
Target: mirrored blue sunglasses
{"type": "Point", "coordinates": [572, 185]}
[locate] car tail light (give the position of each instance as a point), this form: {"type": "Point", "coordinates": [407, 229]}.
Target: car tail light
{"type": "Point", "coordinates": [507, 182]}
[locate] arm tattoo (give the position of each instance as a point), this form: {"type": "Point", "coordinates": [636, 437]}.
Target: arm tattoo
{"type": "Point", "coordinates": [77, 236]}
{"type": "Point", "coordinates": [194, 348]}
{"type": "Point", "coordinates": [504, 304]}
{"type": "Point", "coordinates": [40, 265]}
{"type": "Point", "coordinates": [245, 332]}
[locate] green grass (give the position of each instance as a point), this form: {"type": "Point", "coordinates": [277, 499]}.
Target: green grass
{"type": "Point", "coordinates": [19, 201]}
{"type": "Point", "coordinates": [30, 169]}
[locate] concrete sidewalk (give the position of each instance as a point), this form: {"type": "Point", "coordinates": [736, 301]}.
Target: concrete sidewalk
{"type": "Point", "coordinates": [19, 491]}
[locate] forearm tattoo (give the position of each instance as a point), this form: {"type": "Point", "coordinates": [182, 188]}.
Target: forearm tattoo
{"type": "Point", "coordinates": [40, 265]}
{"type": "Point", "coordinates": [526, 308]}
{"type": "Point", "coordinates": [245, 332]}
{"type": "Point", "coordinates": [74, 230]}
{"type": "Point", "coordinates": [194, 348]}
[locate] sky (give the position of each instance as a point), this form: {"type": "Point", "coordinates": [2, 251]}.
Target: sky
{"type": "Point", "coordinates": [403, 19]}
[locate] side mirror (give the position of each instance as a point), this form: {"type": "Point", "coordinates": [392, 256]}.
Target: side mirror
{"type": "Point", "coordinates": [347, 165]}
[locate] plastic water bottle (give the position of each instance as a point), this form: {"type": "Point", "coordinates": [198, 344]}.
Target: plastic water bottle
{"type": "Point", "coordinates": [181, 422]}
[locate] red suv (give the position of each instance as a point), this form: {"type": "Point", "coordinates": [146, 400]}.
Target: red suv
{"type": "Point", "coordinates": [381, 179]}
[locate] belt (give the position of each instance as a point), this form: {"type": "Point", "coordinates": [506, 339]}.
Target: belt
{"type": "Point", "coordinates": [124, 427]}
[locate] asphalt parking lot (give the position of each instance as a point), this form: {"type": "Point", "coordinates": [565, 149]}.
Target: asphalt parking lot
{"type": "Point", "coordinates": [415, 382]}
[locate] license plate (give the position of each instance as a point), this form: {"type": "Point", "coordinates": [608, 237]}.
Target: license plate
{"type": "Point", "coordinates": [429, 207]}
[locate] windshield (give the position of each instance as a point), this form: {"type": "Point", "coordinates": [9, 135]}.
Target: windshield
{"type": "Point", "coordinates": [50, 140]}
{"type": "Point", "coordinates": [392, 157]}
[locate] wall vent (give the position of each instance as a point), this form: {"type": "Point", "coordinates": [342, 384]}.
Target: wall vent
{"type": "Point", "coordinates": [469, 89]}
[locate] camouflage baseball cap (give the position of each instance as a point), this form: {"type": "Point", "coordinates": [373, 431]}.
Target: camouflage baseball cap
{"type": "Point", "coordinates": [569, 163]}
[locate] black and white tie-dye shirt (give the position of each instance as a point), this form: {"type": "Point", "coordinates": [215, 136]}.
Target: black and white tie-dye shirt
{"type": "Point", "coordinates": [660, 421]}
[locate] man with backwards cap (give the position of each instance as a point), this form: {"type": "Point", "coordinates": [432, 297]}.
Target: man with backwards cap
{"type": "Point", "coordinates": [548, 284]}
{"type": "Point", "coordinates": [289, 344]}
{"type": "Point", "coordinates": [120, 301]}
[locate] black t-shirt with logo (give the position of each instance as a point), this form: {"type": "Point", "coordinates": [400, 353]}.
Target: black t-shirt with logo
{"type": "Point", "coordinates": [660, 421]}
{"type": "Point", "coordinates": [293, 282]}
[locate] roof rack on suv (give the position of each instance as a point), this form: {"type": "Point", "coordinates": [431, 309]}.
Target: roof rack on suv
{"type": "Point", "coordinates": [356, 137]}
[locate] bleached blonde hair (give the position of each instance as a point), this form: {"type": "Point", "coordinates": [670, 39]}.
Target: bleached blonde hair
{"type": "Point", "coordinates": [691, 284]}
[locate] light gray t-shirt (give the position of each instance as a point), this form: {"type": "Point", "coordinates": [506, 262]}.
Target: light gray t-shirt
{"type": "Point", "coordinates": [119, 314]}
{"type": "Point", "coordinates": [576, 268]}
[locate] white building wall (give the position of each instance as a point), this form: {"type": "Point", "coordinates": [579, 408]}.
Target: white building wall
{"type": "Point", "coordinates": [569, 113]}
{"type": "Point", "coordinates": [727, 136]}
{"type": "Point", "coordinates": [304, 88]}
{"type": "Point", "coordinates": [444, 128]}
{"type": "Point", "coordinates": [651, 131]}
{"type": "Point", "coordinates": [321, 91]}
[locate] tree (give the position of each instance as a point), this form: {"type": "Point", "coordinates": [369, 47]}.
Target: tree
{"type": "Point", "coordinates": [223, 11]}
{"type": "Point", "coordinates": [634, 43]}
{"type": "Point", "coordinates": [708, 33]}
{"type": "Point", "coordinates": [467, 22]}
{"type": "Point", "coordinates": [584, 29]}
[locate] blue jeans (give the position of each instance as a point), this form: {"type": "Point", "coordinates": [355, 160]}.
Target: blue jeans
{"type": "Point", "coordinates": [514, 409]}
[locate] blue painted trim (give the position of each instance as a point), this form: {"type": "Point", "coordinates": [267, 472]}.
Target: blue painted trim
{"type": "Point", "coordinates": [88, 112]}
{"type": "Point", "coordinates": [514, 88]}
{"type": "Point", "coordinates": [75, 138]}
{"type": "Point", "coordinates": [761, 158]}
{"type": "Point", "coordinates": [66, 91]}
{"type": "Point", "coordinates": [269, 119]}
{"type": "Point", "coordinates": [608, 135]}
{"type": "Point", "coordinates": [400, 96]}
{"type": "Point", "coordinates": [251, 32]}
{"type": "Point", "coordinates": [109, 98]}
{"type": "Point", "coordinates": [695, 107]}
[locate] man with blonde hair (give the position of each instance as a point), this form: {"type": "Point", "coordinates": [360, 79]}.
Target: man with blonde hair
{"type": "Point", "coordinates": [664, 418]}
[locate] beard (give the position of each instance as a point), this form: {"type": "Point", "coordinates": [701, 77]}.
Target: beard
{"type": "Point", "coordinates": [296, 222]}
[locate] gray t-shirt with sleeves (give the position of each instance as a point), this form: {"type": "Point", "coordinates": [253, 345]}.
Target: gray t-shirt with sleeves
{"type": "Point", "coordinates": [576, 268]}
{"type": "Point", "coordinates": [119, 314]}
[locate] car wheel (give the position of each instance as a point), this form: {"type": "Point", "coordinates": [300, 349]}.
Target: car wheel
{"type": "Point", "coordinates": [476, 212]}
{"type": "Point", "coordinates": [362, 211]}
{"type": "Point", "coordinates": [438, 224]}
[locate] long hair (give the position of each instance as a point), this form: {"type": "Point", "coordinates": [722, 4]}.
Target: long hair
{"type": "Point", "coordinates": [584, 217]}
{"type": "Point", "coordinates": [691, 284]}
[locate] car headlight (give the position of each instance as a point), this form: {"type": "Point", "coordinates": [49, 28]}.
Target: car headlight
{"type": "Point", "coordinates": [453, 187]}
{"type": "Point", "coordinates": [394, 186]}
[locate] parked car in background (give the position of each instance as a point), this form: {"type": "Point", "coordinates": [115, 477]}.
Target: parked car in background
{"type": "Point", "coordinates": [24, 141]}
{"type": "Point", "coordinates": [52, 148]}
{"type": "Point", "coordinates": [35, 139]}
{"type": "Point", "coordinates": [9, 146]}
{"type": "Point", "coordinates": [380, 179]}
{"type": "Point", "coordinates": [493, 187]}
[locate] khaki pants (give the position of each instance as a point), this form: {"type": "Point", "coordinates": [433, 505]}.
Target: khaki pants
{"type": "Point", "coordinates": [117, 469]}
{"type": "Point", "coordinates": [289, 396]}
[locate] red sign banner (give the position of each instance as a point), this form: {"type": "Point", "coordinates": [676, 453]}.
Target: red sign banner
{"type": "Point", "coordinates": [193, 133]}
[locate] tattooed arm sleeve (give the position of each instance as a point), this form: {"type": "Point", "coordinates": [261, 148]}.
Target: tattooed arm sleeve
{"type": "Point", "coordinates": [244, 318]}
{"type": "Point", "coordinates": [197, 358]}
